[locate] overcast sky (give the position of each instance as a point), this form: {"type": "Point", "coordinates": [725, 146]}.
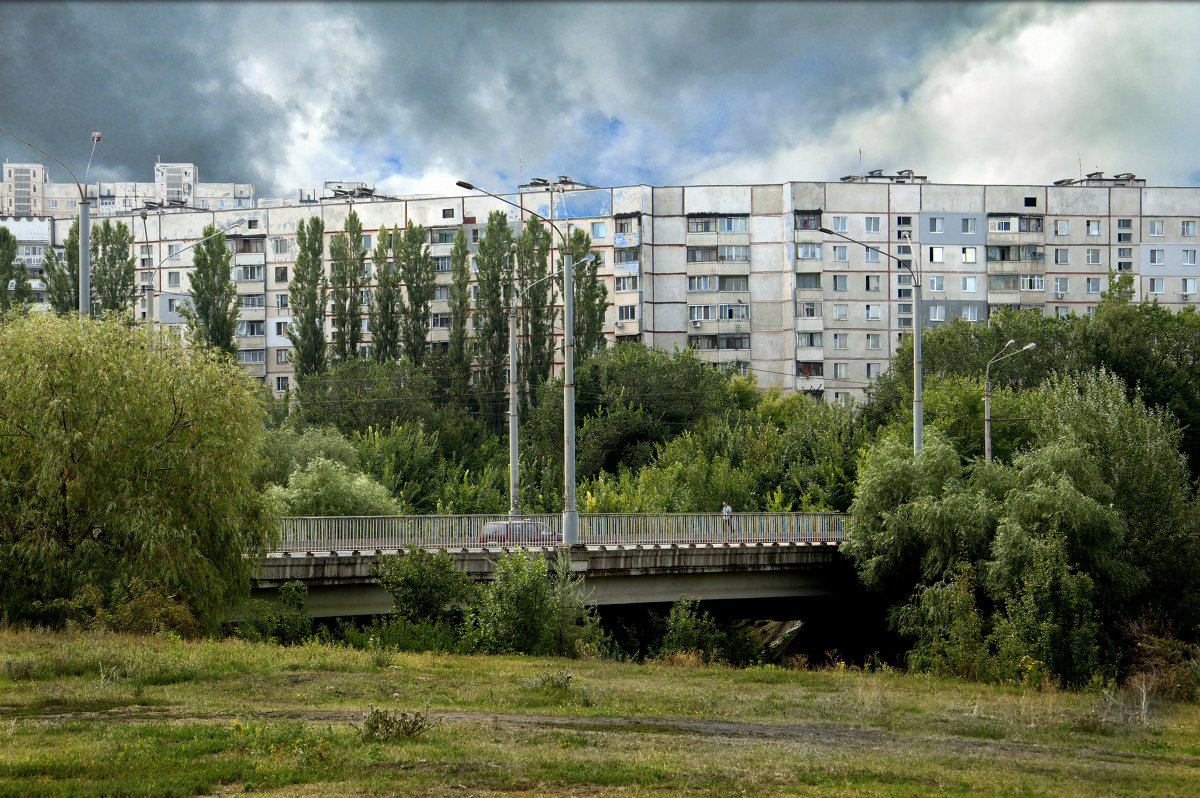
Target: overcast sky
{"type": "Point", "coordinates": [411, 97]}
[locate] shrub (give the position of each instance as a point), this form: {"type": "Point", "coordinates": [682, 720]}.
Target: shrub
{"type": "Point", "coordinates": [387, 725]}
{"type": "Point", "coordinates": [324, 487]}
{"type": "Point", "coordinates": [402, 634]}
{"type": "Point", "coordinates": [265, 620]}
{"type": "Point", "coordinates": [689, 630]}
{"type": "Point", "coordinates": [424, 585]}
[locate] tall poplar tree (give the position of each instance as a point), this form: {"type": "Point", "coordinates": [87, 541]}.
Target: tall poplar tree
{"type": "Point", "coordinates": [112, 272]}
{"type": "Point", "coordinates": [491, 315]}
{"type": "Point", "coordinates": [347, 280]}
{"type": "Point", "coordinates": [386, 299]}
{"type": "Point", "coordinates": [306, 298]}
{"type": "Point", "coordinates": [14, 271]}
{"type": "Point", "coordinates": [536, 312]}
{"type": "Point", "coordinates": [416, 272]}
{"type": "Point", "coordinates": [591, 295]}
{"type": "Point", "coordinates": [458, 355]}
{"type": "Point", "coordinates": [211, 309]}
{"type": "Point", "coordinates": [62, 274]}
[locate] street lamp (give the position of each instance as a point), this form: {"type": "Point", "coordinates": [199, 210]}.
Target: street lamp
{"type": "Point", "coordinates": [150, 288]}
{"type": "Point", "coordinates": [570, 514]}
{"type": "Point", "coordinates": [987, 393]}
{"type": "Point", "coordinates": [918, 401]}
{"type": "Point", "coordinates": [85, 278]}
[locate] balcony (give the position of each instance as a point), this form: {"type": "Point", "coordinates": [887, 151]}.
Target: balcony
{"type": "Point", "coordinates": [249, 259]}
{"type": "Point", "coordinates": [627, 327]}
{"type": "Point", "coordinates": [627, 239]}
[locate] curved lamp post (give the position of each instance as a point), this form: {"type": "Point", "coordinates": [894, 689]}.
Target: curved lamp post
{"type": "Point", "coordinates": [570, 514]}
{"type": "Point", "coordinates": [918, 402]}
{"type": "Point", "coordinates": [85, 277]}
{"type": "Point", "coordinates": [987, 393]}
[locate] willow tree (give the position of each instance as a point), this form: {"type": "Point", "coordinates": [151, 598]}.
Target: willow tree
{"type": "Point", "coordinates": [142, 474]}
{"type": "Point", "coordinates": [306, 298]}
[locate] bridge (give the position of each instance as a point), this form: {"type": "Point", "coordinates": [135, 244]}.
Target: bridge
{"type": "Point", "coordinates": [643, 558]}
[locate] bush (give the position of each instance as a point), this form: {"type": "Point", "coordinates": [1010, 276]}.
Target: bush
{"type": "Point", "coordinates": [324, 487]}
{"type": "Point", "coordinates": [265, 620]}
{"type": "Point", "coordinates": [387, 725]}
{"type": "Point", "coordinates": [690, 631]}
{"type": "Point", "coordinates": [284, 450]}
{"type": "Point", "coordinates": [424, 585]}
{"type": "Point", "coordinates": [403, 634]}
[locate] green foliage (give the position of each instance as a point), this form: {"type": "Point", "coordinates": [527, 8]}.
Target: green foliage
{"type": "Point", "coordinates": [120, 462]}
{"type": "Point", "coordinates": [945, 622]}
{"type": "Point", "coordinates": [211, 310]}
{"type": "Point", "coordinates": [62, 274]}
{"type": "Point", "coordinates": [416, 272]}
{"type": "Point", "coordinates": [458, 357]}
{"type": "Point", "coordinates": [385, 725]}
{"type": "Point", "coordinates": [495, 280]}
{"type": "Point", "coordinates": [527, 610]}
{"type": "Point", "coordinates": [395, 633]}
{"type": "Point", "coordinates": [112, 261]}
{"type": "Point", "coordinates": [688, 630]}
{"type": "Point", "coordinates": [536, 311]}
{"type": "Point", "coordinates": [135, 606]}
{"type": "Point", "coordinates": [590, 294]}
{"type": "Point", "coordinates": [286, 623]}
{"type": "Point", "coordinates": [285, 449]}
{"type": "Point", "coordinates": [358, 394]}
{"type": "Point", "coordinates": [306, 300]}
{"type": "Point", "coordinates": [386, 299]}
{"type": "Point", "coordinates": [424, 585]}
{"type": "Point", "coordinates": [14, 271]}
{"type": "Point", "coordinates": [324, 487]}
{"type": "Point", "coordinates": [347, 281]}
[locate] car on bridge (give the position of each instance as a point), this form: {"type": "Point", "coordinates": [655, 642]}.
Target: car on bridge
{"type": "Point", "coordinates": [518, 531]}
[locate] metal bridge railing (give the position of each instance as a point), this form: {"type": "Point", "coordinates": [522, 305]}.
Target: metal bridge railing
{"type": "Point", "coordinates": [385, 533]}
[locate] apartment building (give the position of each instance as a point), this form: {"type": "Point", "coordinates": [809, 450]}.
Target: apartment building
{"type": "Point", "coordinates": [27, 190]}
{"type": "Point", "coordinates": [747, 276]}
{"type": "Point", "coordinates": [34, 236]}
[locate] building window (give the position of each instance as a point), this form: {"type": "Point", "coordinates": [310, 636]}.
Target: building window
{"type": "Point", "coordinates": [810, 369]}
{"type": "Point", "coordinates": [702, 312]}
{"type": "Point", "coordinates": [874, 340]}
{"type": "Point", "coordinates": [443, 236]}
{"type": "Point", "coordinates": [246, 274]}
{"type": "Point", "coordinates": [281, 384]}
{"type": "Point", "coordinates": [968, 285]}
{"type": "Point", "coordinates": [805, 251]}
{"type": "Point", "coordinates": [1062, 227]}
{"type": "Point", "coordinates": [734, 283]}
{"type": "Point", "coordinates": [968, 225]}
{"type": "Point", "coordinates": [937, 312]}
{"type": "Point", "coordinates": [1187, 229]}
{"type": "Point", "coordinates": [808, 339]}
{"type": "Point", "coordinates": [281, 274]}
{"type": "Point", "coordinates": [904, 221]}
{"type": "Point", "coordinates": [702, 225]}
{"type": "Point", "coordinates": [841, 340]}
{"type": "Point", "coordinates": [1001, 225]}
{"type": "Point", "coordinates": [626, 312]}
{"type": "Point", "coordinates": [732, 224]}
{"type": "Point", "coordinates": [1124, 238]}
{"type": "Point", "coordinates": [1062, 285]}
{"type": "Point", "coordinates": [252, 356]}
{"type": "Point", "coordinates": [874, 312]}
{"type": "Point", "coordinates": [841, 312]}
{"type": "Point", "coordinates": [629, 283]}
{"type": "Point", "coordinates": [1156, 257]}
{"type": "Point", "coordinates": [597, 229]}
{"type": "Point", "coordinates": [1092, 285]}
{"type": "Point", "coordinates": [281, 328]}
{"type": "Point", "coordinates": [247, 328]}
{"type": "Point", "coordinates": [1031, 202]}
{"type": "Point", "coordinates": [1156, 227]}
{"type": "Point", "coordinates": [1033, 282]}
{"type": "Point", "coordinates": [282, 356]}
{"type": "Point", "coordinates": [1061, 256]}
{"type": "Point", "coordinates": [701, 254]}
{"type": "Point", "coordinates": [935, 254]}
{"type": "Point", "coordinates": [172, 305]}
{"type": "Point", "coordinates": [873, 370]}
{"type": "Point", "coordinates": [969, 313]}
{"type": "Point", "coordinates": [839, 224]}
{"type": "Point", "coordinates": [1156, 285]}
{"type": "Point", "coordinates": [447, 213]}
{"type": "Point", "coordinates": [283, 245]}
{"type": "Point", "coordinates": [1124, 252]}
{"type": "Point", "coordinates": [1188, 285]}
{"type": "Point", "coordinates": [1189, 257]}
{"type": "Point", "coordinates": [839, 253]}
{"type": "Point", "coordinates": [626, 255]}
{"type": "Point", "coordinates": [872, 283]}
{"type": "Point", "coordinates": [734, 253]}
{"type": "Point", "coordinates": [937, 282]}
{"type": "Point", "coordinates": [738, 312]}
{"type": "Point", "coordinates": [808, 310]}
{"type": "Point", "coordinates": [1093, 227]}
{"type": "Point", "coordinates": [1093, 257]}
{"type": "Point", "coordinates": [968, 255]}
{"type": "Point", "coordinates": [441, 263]}
{"type": "Point", "coordinates": [808, 281]}
{"type": "Point", "coordinates": [872, 255]}
{"type": "Point", "coordinates": [702, 282]}
{"type": "Point", "coordinates": [808, 221]}
{"type": "Point", "coordinates": [936, 223]}
{"type": "Point", "coordinates": [841, 371]}
{"type": "Point", "coordinates": [871, 224]}
{"type": "Point", "coordinates": [173, 279]}
{"type": "Point", "coordinates": [840, 282]}
{"type": "Point", "coordinates": [173, 251]}
{"type": "Point", "coordinates": [254, 300]}
{"type": "Point", "coordinates": [439, 321]}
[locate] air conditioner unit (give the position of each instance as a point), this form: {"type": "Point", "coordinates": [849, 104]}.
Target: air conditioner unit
{"type": "Point", "coordinates": [618, 323]}
{"type": "Point", "coordinates": [695, 322]}
{"type": "Point", "coordinates": [1059, 296]}
{"type": "Point", "coordinates": [1185, 295]}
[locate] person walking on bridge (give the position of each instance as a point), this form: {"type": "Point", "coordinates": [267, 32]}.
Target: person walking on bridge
{"type": "Point", "coordinates": [726, 520]}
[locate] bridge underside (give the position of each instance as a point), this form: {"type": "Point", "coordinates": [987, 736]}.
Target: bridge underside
{"type": "Point", "coordinates": [342, 583]}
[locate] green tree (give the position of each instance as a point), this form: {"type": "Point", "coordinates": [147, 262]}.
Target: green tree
{"type": "Point", "coordinates": [326, 487]}
{"type": "Point", "coordinates": [405, 460]}
{"type": "Point", "coordinates": [285, 449]}
{"type": "Point", "coordinates": [424, 585]}
{"type": "Point", "coordinates": [12, 271]}
{"type": "Point", "coordinates": [386, 299]}
{"type": "Point", "coordinates": [360, 393]}
{"type": "Point", "coordinates": [112, 272]}
{"type": "Point", "coordinates": [120, 463]}
{"type": "Point", "coordinates": [491, 317]}
{"type": "Point", "coordinates": [211, 310]}
{"type": "Point", "coordinates": [348, 281]}
{"type": "Point", "coordinates": [62, 274]}
{"type": "Point", "coordinates": [306, 298]}
{"type": "Point", "coordinates": [416, 272]}
{"type": "Point", "coordinates": [591, 295]}
{"type": "Point", "coordinates": [536, 312]}
{"type": "Point", "coordinates": [458, 359]}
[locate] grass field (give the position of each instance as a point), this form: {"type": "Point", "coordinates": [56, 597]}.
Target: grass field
{"type": "Point", "coordinates": [102, 714]}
